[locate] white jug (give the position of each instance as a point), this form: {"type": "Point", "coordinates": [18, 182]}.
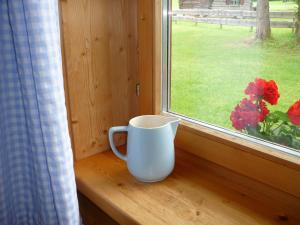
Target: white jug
{"type": "Point", "coordinates": [150, 146]}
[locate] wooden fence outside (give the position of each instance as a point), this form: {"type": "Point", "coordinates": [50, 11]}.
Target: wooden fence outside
{"type": "Point", "coordinates": [231, 17]}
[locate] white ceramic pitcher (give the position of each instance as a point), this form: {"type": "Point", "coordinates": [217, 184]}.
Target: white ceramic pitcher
{"type": "Point", "coordinates": [150, 146]}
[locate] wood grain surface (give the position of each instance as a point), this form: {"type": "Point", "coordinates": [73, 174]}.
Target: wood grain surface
{"type": "Point", "coordinates": [91, 214]}
{"type": "Point", "coordinates": [197, 192]}
{"type": "Point", "coordinates": [145, 57]}
{"type": "Point", "coordinates": [100, 57]}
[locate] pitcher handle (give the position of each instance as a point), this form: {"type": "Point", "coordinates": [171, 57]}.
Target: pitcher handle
{"type": "Point", "coordinates": [111, 132]}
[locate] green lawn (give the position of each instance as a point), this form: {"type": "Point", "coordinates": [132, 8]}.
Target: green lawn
{"type": "Point", "coordinates": [175, 4]}
{"type": "Point", "coordinates": [281, 6]}
{"type": "Point", "coordinates": [274, 5]}
{"type": "Point", "coordinates": [211, 68]}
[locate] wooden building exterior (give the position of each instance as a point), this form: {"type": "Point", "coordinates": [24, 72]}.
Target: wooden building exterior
{"type": "Point", "coordinates": [216, 4]}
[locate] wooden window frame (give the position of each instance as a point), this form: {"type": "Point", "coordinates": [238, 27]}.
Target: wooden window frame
{"type": "Point", "coordinates": [262, 163]}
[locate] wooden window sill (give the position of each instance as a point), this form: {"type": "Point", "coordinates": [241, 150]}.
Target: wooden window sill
{"type": "Point", "coordinates": [197, 192]}
{"type": "Point", "coordinates": [260, 150]}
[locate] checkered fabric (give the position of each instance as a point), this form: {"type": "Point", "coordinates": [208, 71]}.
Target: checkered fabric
{"type": "Point", "coordinates": [37, 185]}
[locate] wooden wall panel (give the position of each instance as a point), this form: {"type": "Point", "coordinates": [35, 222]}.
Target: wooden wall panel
{"type": "Point", "coordinates": [145, 65]}
{"type": "Point", "coordinates": [100, 48]}
{"type": "Point", "coordinates": [67, 97]}
{"type": "Point", "coordinates": [157, 57]}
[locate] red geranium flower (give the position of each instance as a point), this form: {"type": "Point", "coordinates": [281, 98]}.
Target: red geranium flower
{"type": "Point", "coordinates": [294, 113]}
{"type": "Point", "coordinates": [271, 93]}
{"type": "Point", "coordinates": [256, 89]}
{"type": "Point", "coordinates": [264, 111]}
{"type": "Point", "coordinates": [248, 114]}
{"type": "Point", "coordinates": [262, 89]}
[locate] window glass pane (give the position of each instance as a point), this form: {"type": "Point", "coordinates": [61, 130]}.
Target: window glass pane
{"type": "Point", "coordinates": [231, 69]}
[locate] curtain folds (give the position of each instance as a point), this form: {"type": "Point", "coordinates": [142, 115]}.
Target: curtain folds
{"type": "Point", "coordinates": [37, 185]}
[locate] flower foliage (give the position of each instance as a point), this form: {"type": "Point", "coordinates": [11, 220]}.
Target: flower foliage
{"type": "Point", "coordinates": [294, 113]}
{"type": "Point", "coordinates": [261, 89]}
{"type": "Point", "coordinates": [253, 117]}
{"type": "Point", "coordinates": [248, 113]}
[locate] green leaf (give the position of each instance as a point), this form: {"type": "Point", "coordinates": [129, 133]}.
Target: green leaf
{"type": "Point", "coordinates": [281, 116]}
{"type": "Point", "coordinates": [277, 116]}
{"type": "Point", "coordinates": [258, 128]}
{"type": "Point", "coordinates": [296, 131]}
{"type": "Point", "coordinates": [284, 139]}
{"type": "Point", "coordinates": [271, 118]}
{"type": "Point", "coordinates": [296, 144]}
{"type": "Point", "coordinates": [255, 131]}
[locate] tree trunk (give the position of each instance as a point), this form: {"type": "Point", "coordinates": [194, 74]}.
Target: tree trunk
{"type": "Point", "coordinates": [298, 23]}
{"type": "Point", "coordinates": [263, 28]}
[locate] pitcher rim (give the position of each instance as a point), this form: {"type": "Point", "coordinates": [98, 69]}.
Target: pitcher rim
{"type": "Point", "coordinates": [154, 127]}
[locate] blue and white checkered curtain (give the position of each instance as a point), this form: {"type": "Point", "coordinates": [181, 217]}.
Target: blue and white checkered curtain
{"type": "Point", "coordinates": [37, 185]}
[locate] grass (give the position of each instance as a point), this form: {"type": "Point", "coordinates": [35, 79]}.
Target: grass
{"type": "Point", "coordinates": [274, 5]}
{"type": "Point", "coordinates": [175, 4]}
{"type": "Point", "coordinates": [281, 6]}
{"type": "Point", "coordinates": [211, 68]}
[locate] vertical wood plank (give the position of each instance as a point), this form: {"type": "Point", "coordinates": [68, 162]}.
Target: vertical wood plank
{"type": "Point", "coordinates": [132, 58]}
{"type": "Point", "coordinates": [157, 55]}
{"type": "Point", "coordinates": [145, 65]}
{"type": "Point", "coordinates": [76, 35]}
{"type": "Point", "coordinates": [100, 39]}
{"type": "Point", "coordinates": [66, 88]}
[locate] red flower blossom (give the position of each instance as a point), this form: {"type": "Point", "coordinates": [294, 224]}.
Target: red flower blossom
{"type": "Point", "coordinates": [256, 89]}
{"type": "Point", "coordinates": [294, 113]}
{"type": "Point", "coordinates": [264, 111]}
{"type": "Point", "coordinates": [271, 93]}
{"type": "Point", "coordinates": [248, 114]}
{"type": "Point", "coordinates": [262, 89]}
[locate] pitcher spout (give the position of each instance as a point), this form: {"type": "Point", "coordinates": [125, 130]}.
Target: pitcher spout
{"type": "Point", "coordinates": [174, 125]}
